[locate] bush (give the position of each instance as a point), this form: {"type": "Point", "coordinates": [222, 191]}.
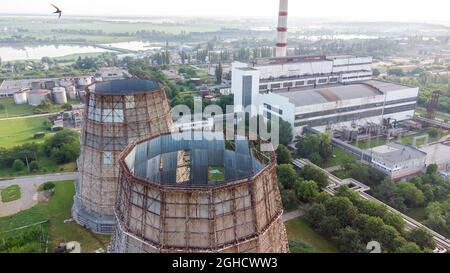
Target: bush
{"type": "Point", "coordinates": [34, 166]}
{"type": "Point", "coordinates": [48, 186]}
{"type": "Point", "coordinates": [18, 165]}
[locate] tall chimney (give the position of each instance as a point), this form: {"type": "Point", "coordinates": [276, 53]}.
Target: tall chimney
{"type": "Point", "coordinates": [281, 50]}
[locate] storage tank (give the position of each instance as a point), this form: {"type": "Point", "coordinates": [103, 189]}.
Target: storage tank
{"type": "Point", "coordinates": [116, 114]}
{"type": "Point", "coordinates": [59, 95]}
{"type": "Point", "coordinates": [71, 92]}
{"type": "Point", "coordinates": [21, 96]}
{"type": "Point", "coordinates": [35, 97]}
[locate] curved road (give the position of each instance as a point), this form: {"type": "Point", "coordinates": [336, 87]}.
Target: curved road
{"type": "Point", "coordinates": [28, 187]}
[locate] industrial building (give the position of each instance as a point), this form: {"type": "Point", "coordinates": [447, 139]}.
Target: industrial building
{"type": "Point", "coordinates": [322, 92]}
{"type": "Point", "coordinates": [256, 82]}
{"type": "Point", "coordinates": [116, 114]}
{"type": "Point", "coordinates": [197, 192]}
{"type": "Point", "coordinates": [397, 160]}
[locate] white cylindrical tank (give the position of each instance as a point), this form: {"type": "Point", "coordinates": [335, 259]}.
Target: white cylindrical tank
{"type": "Point", "coordinates": [59, 95]}
{"type": "Point", "coordinates": [71, 92]}
{"type": "Point", "coordinates": [35, 97]}
{"type": "Point", "coordinates": [21, 96]}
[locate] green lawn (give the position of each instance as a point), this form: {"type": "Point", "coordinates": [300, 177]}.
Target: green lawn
{"type": "Point", "coordinates": [408, 140]}
{"type": "Point", "coordinates": [56, 211]}
{"type": "Point", "coordinates": [9, 109]}
{"type": "Point", "coordinates": [339, 157]}
{"type": "Point", "coordinates": [19, 131]}
{"type": "Point", "coordinates": [10, 193]}
{"type": "Point", "coordinates": [374, 142]}
{"type": "Point", "coordinates": [299, 231]}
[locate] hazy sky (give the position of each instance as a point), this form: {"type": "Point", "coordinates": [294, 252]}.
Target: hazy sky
{"type": "Point", "coordinates": [370, 10]}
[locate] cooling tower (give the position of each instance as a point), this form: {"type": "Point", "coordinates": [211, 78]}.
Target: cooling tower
{"type": "Point", "coordinates": [194, 192]}
{"type": "Point", "coordinates": [117, 113]}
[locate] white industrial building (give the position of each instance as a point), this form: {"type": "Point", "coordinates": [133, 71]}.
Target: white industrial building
{"type": "Point", "coordinates": [322, 92]}
{"type": "Point", "coordinates": [398, 160]}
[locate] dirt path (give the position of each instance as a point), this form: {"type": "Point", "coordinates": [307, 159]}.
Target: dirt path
{"type": "Point", "coordinates": [29, 194]}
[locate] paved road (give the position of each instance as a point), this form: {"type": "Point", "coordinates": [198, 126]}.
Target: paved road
{"type": "Point", "coordinates": [334, 168]}
{"type": "Point", "coordinates": [28, 186]}
{"type": "Point", "coordinates": [30, 116]}
{"type": "Point", "coordinates": [292, 215]}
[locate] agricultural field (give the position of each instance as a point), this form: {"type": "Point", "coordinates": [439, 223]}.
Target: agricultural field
{"type": "Point", "coordinates": [299, 231]}
{"type": "Point", "coordinates": [11, 193]}
{"type": "Point", "coordinates": [55, 211]}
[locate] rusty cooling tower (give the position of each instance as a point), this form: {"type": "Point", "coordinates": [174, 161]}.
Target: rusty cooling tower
{"type": "Point", "coordinates": [116, 114]}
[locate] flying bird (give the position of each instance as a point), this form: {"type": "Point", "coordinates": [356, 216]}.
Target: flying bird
{"type": "Point", "coordinates": [58, 11]}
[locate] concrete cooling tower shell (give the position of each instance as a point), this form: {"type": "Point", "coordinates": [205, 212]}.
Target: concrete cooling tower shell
{"type": "Point", "coordinates": [117, 113]}
{"type": "Point", "coordinates": [168, 200]}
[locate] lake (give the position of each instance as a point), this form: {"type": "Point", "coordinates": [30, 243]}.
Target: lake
{"type": "Point", "coordinates": [16, 53]}
{"type": "Point", "coordinates": [135, 45]}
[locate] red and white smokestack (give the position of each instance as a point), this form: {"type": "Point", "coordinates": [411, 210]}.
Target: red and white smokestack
{"type": "Point", "coordinates": [281, 50]}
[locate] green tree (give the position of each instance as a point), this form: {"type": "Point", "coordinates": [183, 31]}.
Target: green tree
{"type": "Point", "coordinates": [315, 214]}
{"type": "Point", "coordinates": [18, 165]}
{"type": "Point", "coordinates": [283, 155]}
{"type": "Point", "coordinates": [349, 241]}
{"type": "Point", "coordinates": [34, 166]}
{"type": "Point", "coordinates": [432, 169]}
{"type": "Point", "coordinates": [409, 247]}
{"type": "Point", "coordinates": [306, 190]}
{"type": "Point", "coordinates": [413, 196]}
{"type": "Point", "coordinates": [286, 175]}
{"type": "Point", "coordinates": [422, 238]}
{"type": "Point", "coordinates": [285, 132]}
{"type": "Point", "coordinates": [310, 172]}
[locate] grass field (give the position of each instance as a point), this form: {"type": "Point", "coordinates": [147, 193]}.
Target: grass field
{"type": "Point", "coordinates": [10, 109]}
{"type": "Point", "coordinates": [56, 210]}
{"type": "Point", "coordinates": [339, 157]}
{"type": "Point", "coordinates": [299, 231]}
{"type": "Point", "coordinates": [10, 193]}
{"type": "Point", "coordinates": [19, 131]}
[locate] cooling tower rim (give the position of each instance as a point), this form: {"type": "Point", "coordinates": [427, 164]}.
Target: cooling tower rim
{"type": "Point", "coordinates": [125, 87]}
{"type": "Point", "coordinates": [131, 178]}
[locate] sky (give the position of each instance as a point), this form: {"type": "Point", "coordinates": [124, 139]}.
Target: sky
{"type": "Point", "coordinates": [350, 10]}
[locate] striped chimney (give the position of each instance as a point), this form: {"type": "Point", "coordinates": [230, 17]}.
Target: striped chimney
{"type": "Point", "coordinates": [281, 49]}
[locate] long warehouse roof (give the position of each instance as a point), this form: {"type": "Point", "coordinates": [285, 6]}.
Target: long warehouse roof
{"type": "Point", "coordinates": [338, 92]}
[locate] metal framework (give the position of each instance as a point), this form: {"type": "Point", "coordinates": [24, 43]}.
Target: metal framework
{"type": "Point", "coordinates": [243, 214]}
{"type": "Point", "coordinates": [432, 104]}
{"type": "Point", "coordinates": [117, 113]}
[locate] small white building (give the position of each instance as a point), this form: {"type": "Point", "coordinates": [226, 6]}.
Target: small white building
{"type": "Point", "coordinates": [398, 160]}
{"type": "Point", "coordinates": [111, 73]}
